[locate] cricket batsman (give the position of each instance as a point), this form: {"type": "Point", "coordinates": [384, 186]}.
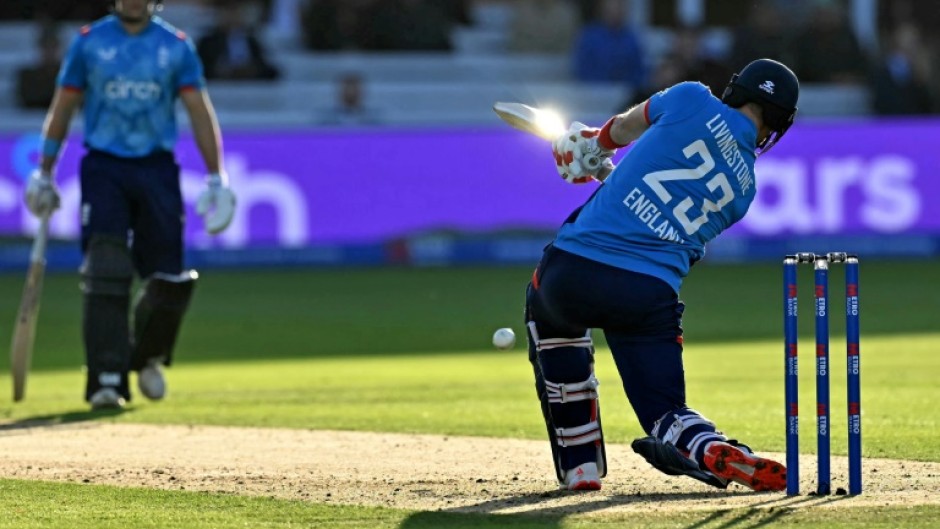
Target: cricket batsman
{"type": "Point", "coordinates": [617, 264]}
{"type": "Point", "coordinates": [126, 71]}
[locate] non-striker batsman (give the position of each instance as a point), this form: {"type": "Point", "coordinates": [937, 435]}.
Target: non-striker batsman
{"type": "Point", "coordinates": [127, 71]}
{"type": "Point", "coordinates": [618, 262]}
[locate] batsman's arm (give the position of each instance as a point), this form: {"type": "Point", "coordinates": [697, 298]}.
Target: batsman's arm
{"type": "Point", "coordinates": [623, 129]}
{"type": "Point", "coordinates": [620, 131]}
{"type": "Point", "coordinates": [65, 102]}
{"type": "Point", "coordinates": [205, 128]}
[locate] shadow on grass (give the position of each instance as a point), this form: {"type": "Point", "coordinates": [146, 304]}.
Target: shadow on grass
{"type": "Point", "coordinates": [766, 509]}
{"type": "Point", "coordinates": [61, 419]}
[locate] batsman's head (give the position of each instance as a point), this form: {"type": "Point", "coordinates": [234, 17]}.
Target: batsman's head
{"type": "Point", "coordinates": [136, 11]}
{"type": "Point", "coordinates": [775, 89]}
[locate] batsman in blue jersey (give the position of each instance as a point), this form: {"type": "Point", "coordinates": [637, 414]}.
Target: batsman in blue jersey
{"type": "Point", "coordinates": [618, 262]}
{"type": "Point", "coordinates": [127, 71]}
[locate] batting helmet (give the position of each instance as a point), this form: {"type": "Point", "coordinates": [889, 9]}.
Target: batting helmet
{"type": "Point", "coordinates": [771, 85]}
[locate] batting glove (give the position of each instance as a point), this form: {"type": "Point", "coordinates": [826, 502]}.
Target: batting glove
{"type": "Point", "coordinates": [578, 156]}
{"type": "Point", "coordinates": [216, 204]}
{"type": "Point", "coordinates": [42, 196]}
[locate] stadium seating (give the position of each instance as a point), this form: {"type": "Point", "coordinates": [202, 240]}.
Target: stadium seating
{"type": "Point", "coordinates": [409, 89]}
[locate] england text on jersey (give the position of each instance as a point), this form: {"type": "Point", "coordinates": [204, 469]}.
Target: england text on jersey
{"type": "Point", "coordinates": [648, 212]}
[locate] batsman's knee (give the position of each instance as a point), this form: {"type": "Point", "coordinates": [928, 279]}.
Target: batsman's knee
{"type": "Point", "coordinates": [158, 314]}
{"type": "Point", "coordinates": [107, 268]}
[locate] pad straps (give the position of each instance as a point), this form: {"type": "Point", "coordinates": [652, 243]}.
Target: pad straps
{"type": "Point", "coordinates": [559, 393]}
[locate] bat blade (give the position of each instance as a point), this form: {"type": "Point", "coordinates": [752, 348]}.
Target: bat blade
{"type": "Point", "coordinates": [545, 124]}
{"type": "Point", "coordinates": [540, 122]}
{"type": "Point", "coordinates": [24, 332]}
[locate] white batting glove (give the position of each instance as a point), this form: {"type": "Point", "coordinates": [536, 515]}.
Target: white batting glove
{"type": "Point", "coordinates": [578, 156]}
{"type": "Point", "coordinates": [216, 204]}
{"type": "Point", "coordinates": [42, 196]}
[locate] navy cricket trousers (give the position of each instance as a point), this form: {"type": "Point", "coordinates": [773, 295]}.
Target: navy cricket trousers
{"type": "Point", "coordinates": [136, 197]}
{"type": "Point", "coordinates": [640, 316]}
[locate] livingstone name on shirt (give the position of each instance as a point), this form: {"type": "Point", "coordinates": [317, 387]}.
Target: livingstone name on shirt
{"type": "Point", "coordinates": [731, 152]}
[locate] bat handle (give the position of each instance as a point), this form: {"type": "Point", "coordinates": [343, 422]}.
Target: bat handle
{"type": "Point", "coordinates": [606, 168]}
{"type": "Point", "coordinates": [38, 252]}
{"type": "Point", "coordinates": [593, 163]}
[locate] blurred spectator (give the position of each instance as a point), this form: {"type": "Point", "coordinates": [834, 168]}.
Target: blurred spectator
{"type": "Point", "coordinates": [333, 25]}
{"type": "Point", "coordinates": [350, 107]}
{"type": "Point", "coordinates": [698, 62]}
{"type": "Point", "coordinates": [762, 36]}
{"type": "Point", "coordinates": [926, 18]}
{"type": "Point", "coordinates": [543, 26]}
{"type": "Point", "coordinates": [923, 14]}
{"type": "Point", "coordinates": [36, 84]}
{"type": "Point", "coordinates": [231, 50]}
{"type": "Point", "coordinates": [900, 80]}
{"type": "Point", "coordinates": [408, 25]}
{"type": "Point", "coordinates": [608, 48]}
{"type": "Point", "coordinates": [285, 18]}
{"type": "Point", "coordinates": [827, 50]}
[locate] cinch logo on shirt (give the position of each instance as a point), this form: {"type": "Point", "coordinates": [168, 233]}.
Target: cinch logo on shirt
{"type": "Point", "coordinates": [125, 89]}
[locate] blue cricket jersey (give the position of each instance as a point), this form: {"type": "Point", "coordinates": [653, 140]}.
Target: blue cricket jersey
{"type": "Point", "coordinates": [686, 179]}
{"type": "Point", "coordinates": [130, 84]}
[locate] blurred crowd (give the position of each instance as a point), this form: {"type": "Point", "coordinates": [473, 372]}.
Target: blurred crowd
{"type": "Point", "coordinates": [598, 37]}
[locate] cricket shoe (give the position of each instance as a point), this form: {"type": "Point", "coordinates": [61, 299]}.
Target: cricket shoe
{"type": "Point", "coordinates": [736, 462]}
{"type": "Point", "coordinates": [150, 380]}
{"type": "Point", "coordinates": [583, 477]}
{"type": "Point", "coordinates": [107, 399]}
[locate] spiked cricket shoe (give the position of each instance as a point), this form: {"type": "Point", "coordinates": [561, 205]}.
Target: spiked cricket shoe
{"type": "Point", "coordinates": [150, 380]}
{"type": "Point", "coordinates": [737, 463]}
{"type": "Point", "coordinates": [106, 399]}
{"type": "Point", "coordinates": [583, 477]}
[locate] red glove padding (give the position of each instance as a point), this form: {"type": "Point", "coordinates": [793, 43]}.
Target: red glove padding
{"type": "Point", "coordinates": [578, 155]}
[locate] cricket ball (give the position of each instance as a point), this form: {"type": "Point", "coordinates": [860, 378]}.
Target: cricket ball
{"type": "Point", "coordinates": [504, 338]}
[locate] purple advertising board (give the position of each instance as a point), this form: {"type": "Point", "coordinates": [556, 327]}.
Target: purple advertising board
{"type": "Point", "coordinates": [300, 189]}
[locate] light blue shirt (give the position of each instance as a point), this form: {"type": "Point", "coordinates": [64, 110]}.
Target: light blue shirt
{"type": "Point", "coordinates": [686, 179]}
{"type": "Point", "coordinates": [130, 84]}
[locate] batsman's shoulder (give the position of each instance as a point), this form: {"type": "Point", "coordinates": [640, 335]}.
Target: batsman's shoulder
{"type": "Point", "coordinates": [170, 29]}
{"type": "Point", "coordinates": [679, 101]}
{"type": "Point", "coordinates": [97, 26]}
{"type": "Point", "coordinates": [688, 89]}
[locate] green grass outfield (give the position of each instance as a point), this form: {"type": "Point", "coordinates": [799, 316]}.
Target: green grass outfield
{"type": "Point", "coordinates": [407, 350]}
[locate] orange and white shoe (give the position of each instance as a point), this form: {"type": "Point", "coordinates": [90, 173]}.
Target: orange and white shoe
{"type": "Point", "coordinates": [736, 462]}
{"type": "Point", "coordinates": [583, 477]}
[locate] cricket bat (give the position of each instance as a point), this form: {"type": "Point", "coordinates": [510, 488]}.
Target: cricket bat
{"type": "Point", "coordinates": [24, 330]}
{"type": "Point", "coordinates": [543, 123]}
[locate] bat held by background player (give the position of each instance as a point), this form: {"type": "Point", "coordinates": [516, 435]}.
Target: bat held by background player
{"type": "Point", "coordinates": [24, 330]}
